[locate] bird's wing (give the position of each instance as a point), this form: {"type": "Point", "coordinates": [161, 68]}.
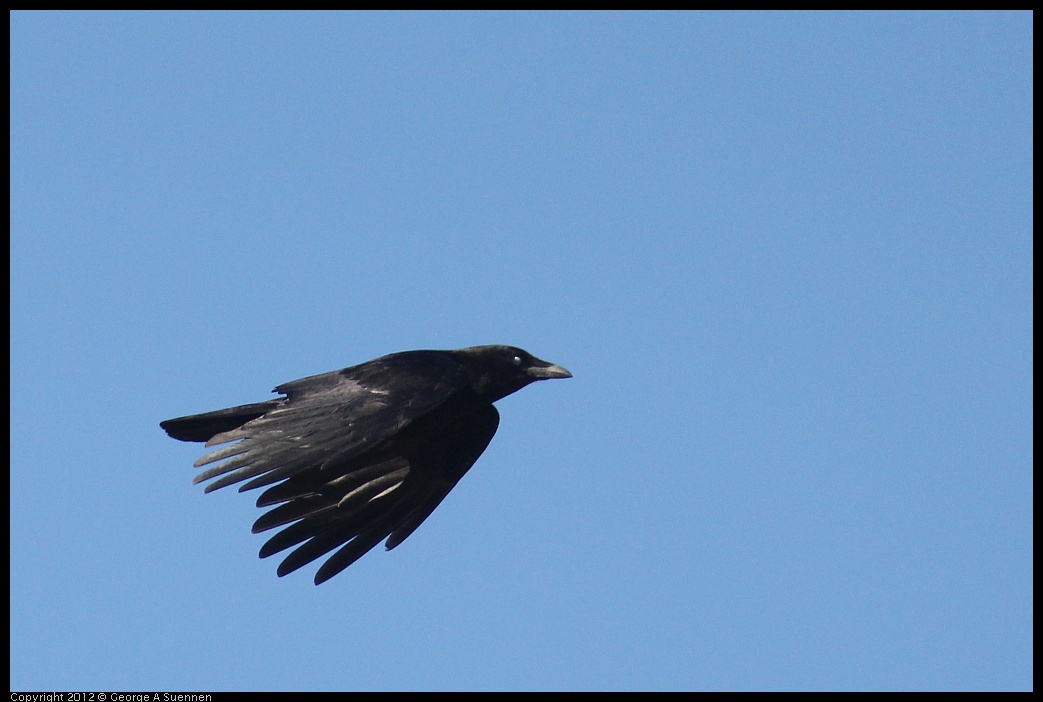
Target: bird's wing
{"type": "Point", "coordinates": [325, 421]}
{"type": "Point", "coordinates": [385, 494]}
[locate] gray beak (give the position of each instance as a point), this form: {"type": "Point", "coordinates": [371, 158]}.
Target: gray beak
{"type": "Point", "coordinates": [547, 371]}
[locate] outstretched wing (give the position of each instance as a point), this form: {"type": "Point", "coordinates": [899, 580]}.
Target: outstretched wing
{"type": "Point", "coordinates": [351, 457]}
{"type": "Point", "coordinates": [384, 494]}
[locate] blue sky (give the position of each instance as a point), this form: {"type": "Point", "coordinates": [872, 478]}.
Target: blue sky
{"type": "Point", "coordinates": [786, 256]}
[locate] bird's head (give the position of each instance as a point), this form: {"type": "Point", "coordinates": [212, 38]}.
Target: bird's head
{"type": "Point", "coordinates": [497, 371]}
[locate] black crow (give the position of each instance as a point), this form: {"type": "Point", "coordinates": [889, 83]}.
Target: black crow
{"type": "Point", "coordinates": [361, 454]}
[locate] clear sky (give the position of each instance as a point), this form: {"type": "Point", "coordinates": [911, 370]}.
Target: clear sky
{"type": "Point", "coordinates": [786, 256]}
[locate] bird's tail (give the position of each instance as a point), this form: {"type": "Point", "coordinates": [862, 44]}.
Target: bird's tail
{"type": "Point", "coordinates": [203, 427]}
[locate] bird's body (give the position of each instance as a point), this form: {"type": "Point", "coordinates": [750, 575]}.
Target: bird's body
{"type": "Point", "coordinates": [361, 454]}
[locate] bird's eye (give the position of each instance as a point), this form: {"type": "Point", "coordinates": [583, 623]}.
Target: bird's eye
{"type": "Point", "coordinates": [517, 360]}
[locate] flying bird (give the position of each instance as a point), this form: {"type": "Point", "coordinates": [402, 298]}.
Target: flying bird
{"type": "Point", "coordinates": [358, 455]}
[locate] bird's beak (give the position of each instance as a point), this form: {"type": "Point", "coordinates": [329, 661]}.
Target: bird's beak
{"type": "Point", "coordinates": [549, 370]}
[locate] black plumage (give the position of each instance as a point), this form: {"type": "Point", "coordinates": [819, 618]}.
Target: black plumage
{"type": "Point", "coordinates": [361, 454]}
